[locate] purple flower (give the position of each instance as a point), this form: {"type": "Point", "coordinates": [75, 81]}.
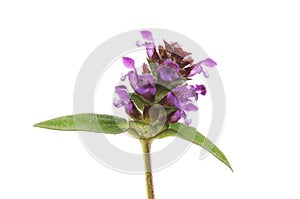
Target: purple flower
{"type": "Point", "coordinates": [124, 100]}
{"type": "Point", "coordinates": [209, 62]}
{"type": "Point", "coordinates": [198, 68]}
{"type": "Point", "coordinates": [182, 93]}
{"type": "Point", "coordinates": [187, 121]}
{"type": "Point", "coordinates": [146, 34]}
{"type": "Point", "coordinates": [170, 100]}
{"type": "Point", "coordinates": [150, 48]}
{"type": "Point", "coordinates": [168, 71]}
{"type": "Point", "coordinates": [149, 44]}
{"type": "Point", "coordinates": [171, 64]}
{"type": "Point", "coordinates": [143, 84]}
{"type": "Point", "coordinates": [180, 97]}
{"type": "Point", "coordinates": [167, 74]}
{"type": "Point", "coordinates": [198, 89]}
{"type": "Point", "coordinates": [174, 117]}
{"type": "Point", "coordinates": [128, 62]}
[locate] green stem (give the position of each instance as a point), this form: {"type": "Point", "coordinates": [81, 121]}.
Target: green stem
{"type": "Point", "coordinates": [146, 145]}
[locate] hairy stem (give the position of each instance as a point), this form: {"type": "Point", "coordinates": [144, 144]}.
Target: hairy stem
{"type": "Point", "coordinates": [146, 145]}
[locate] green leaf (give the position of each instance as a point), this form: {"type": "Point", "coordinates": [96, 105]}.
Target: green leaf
{"type": "Point", "coordinates": [138, 101]}
{"type": "Point", "coordinates": [153, 67]}
{"type": "Point", "coordinates": [87, 122]}
{"type": "Point", "coordinates": [191, 134]}
{"type": "Point", "coordinates": [166, 133]}
{"type": "Point", "coordinates": [161, 92]}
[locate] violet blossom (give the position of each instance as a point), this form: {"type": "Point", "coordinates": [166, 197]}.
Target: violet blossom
{"type": "Point", "coordinates": [125, 101]}
{"type": "Point", "coordinates": [168, 71]}
{"type": "Point", "coordinates": [143, 84]}
{"type": "Point", "coordinates": [149, 44]}
{"type": "Point", "coordinates": [171, 67]}
{"type": "Point", "coordinates": [198, 68]}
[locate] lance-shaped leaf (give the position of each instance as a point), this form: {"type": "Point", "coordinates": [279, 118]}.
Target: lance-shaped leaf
{"type": "Point", "coordinates": [191, 134]}
{"type": "Point", "coordinates": [87, 122]}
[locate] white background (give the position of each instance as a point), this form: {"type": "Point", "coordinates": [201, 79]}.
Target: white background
{"type": "Point", "coordinates": [256, 43]}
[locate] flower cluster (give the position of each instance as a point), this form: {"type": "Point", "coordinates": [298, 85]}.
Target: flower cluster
{"type": "Point", "coordinates": [163, 81]}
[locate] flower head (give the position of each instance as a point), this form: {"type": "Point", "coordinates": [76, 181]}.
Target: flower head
{"type": "Point", "coordinates": [171, 68]}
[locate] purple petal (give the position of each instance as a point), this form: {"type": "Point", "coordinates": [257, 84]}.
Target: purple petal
{"type": "Point", "coordinates": [147, 35]}
{"type": "Point", "coordinates": [197, 68]}
{"type": "Point", "coordinates": [186, 120]}
{"type": "Point", "coordinates": [118, 103]}
{"type": "Point", "coordinates": [152, 91]}
{"type": "Point", "coordinates": [124, 100]}
{"type": "Point", "coordinates": [142, 90]}
{"type": "Point", "coordinates": [150, 49]}
{"type": "Point", "coordinates": [146, 84]}
{"type": "Point", "coordinates": [123, 77]}
{"type": "Point", "coordinates": [182, 92]}
{"type": "Point", "coordinates": [139, 43]}
{"type": "Point", "coordinates": [205, 73]}
{"type": "Point", "coordinates": [171, 100]}
{"type": "Point", "coordinates": [174, 117]}
{"type": "Point", "coordinates": [209, 62]}
{"type": "Point", "coordinates": [177, 103]}
{"type": "Point", "coordinates": [198, 89]}
{"type": "Point", "coordinates": [167, 73]}
{"type": "Point", "coordinates": [128, 62]}
{"type": "Point", "coordinates": [147, 78]}
{"type": "Point", "coordinates": [189, 107]}
{"type": "Point", "coordinates": [132, 111]}
{"type": "Point", "coordinates": [201, 89]}
{"type": "Point", "coordinates": [132, 76]}
{"type": "Point", "coordinates": [171, 64]}
{"type": "Point", "coordinates": [122, 92]}
{"type": "Point", "coordinates": [142, 84]}
{"type": "Point", "coordinates": [123, 97]}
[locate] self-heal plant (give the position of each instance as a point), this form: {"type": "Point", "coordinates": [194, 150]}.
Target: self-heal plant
{"type": "Point", "coordinates": [159, 98]}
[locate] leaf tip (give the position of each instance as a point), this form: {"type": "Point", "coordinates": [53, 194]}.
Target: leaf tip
{"type": "Point", "coordinates": [226, 162]}
{"type": "Point", "coordinates": [37, 125]}
{"type": "Point", "coordinates": [41, 125]}
{"type": "Point", "coordinates": [230, 167]}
